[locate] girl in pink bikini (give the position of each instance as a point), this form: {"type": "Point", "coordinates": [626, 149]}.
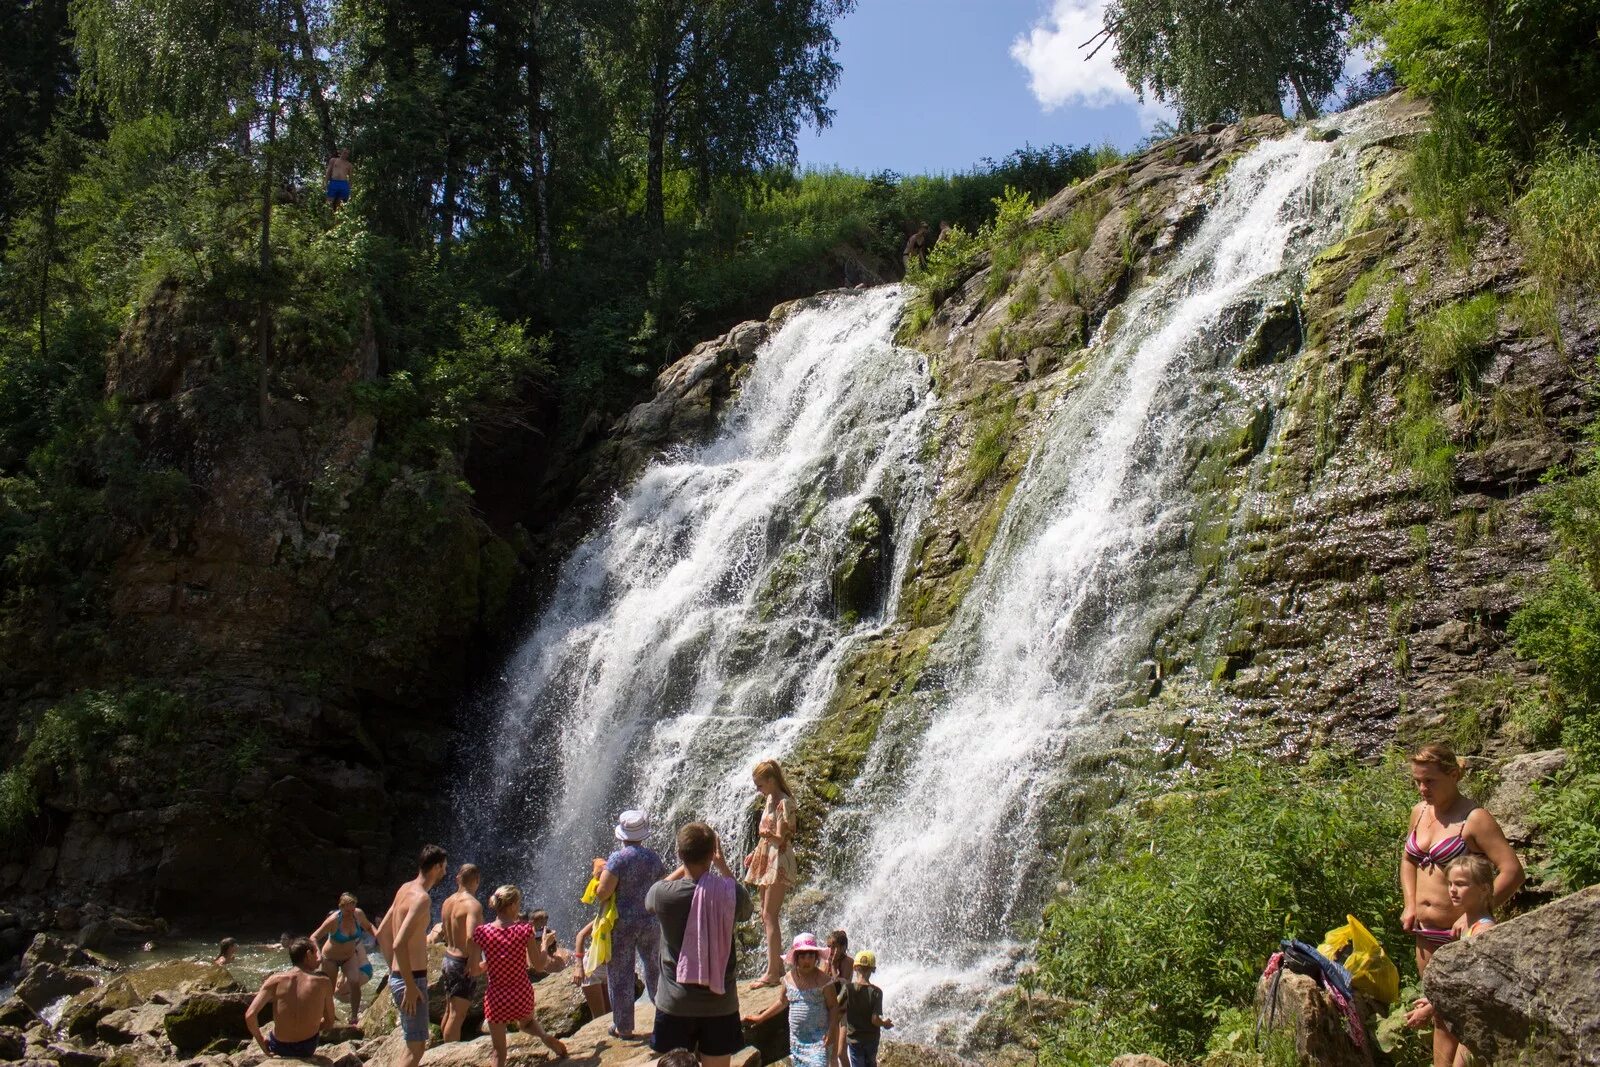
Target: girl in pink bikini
{"type": "Point", "coordinates": [770, 865]}
{"type": "Point", "coordinates": [508, 948]}
{"type": "Point", "coordinates": [1445, 826]}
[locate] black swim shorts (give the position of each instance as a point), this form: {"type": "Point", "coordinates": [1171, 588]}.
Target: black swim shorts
{"type": "Point", "coordinates": [715, 1035]}
{"type": "Point", "coordinates": [458, 985]}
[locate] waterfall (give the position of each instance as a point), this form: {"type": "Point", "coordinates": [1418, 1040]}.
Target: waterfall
{"type": "Point", "coordinates": [694, 634]}
{"type": "Point", "coordinates": [1089, 560]}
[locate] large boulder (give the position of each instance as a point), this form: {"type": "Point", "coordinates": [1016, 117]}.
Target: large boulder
{"type": "Point", "coordinates": [560, 1005]}
{"type": "Point", "coordinates": [1526, 990]}
{"type": "Point", "coordinates": [202, 1018]}
{"type": "Point", "coordinates": [47, 948]}
{"type": "Point", "coordinates": [1300, 1005]}
{"type": "Point", "coordinates": [177, 978]}
{"type": "Point", "coordinates": [46, 983]}
{"type": "Point", "coordinates": [85, 1010]}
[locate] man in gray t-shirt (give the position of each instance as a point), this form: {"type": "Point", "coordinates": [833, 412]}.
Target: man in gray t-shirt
{"type": "Point", "coordinates": [692, 1016]}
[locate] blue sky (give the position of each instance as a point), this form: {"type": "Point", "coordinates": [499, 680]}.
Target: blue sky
{"type": "Point", "coordinates": [936, 85]}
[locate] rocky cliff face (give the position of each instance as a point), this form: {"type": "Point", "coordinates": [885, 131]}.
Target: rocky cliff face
{"type": "Point", "coordinates": [266, 710]}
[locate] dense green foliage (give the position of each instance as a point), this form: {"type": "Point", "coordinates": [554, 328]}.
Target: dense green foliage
{"type": "Point", "coordinates": [1560, 629]}
{"type": "Point", "coordinates": [1167, 926]}
{"type": "Point", "coordinates": [80, 734]}
{"type": "Point", "coordinates": [1216, 62]}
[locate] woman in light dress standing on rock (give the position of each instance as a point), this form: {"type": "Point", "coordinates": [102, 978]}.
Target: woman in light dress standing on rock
{"type": "Point", "coordinates": [1445, 825]}
{"type": "Point", "coordinates": [770, 866]}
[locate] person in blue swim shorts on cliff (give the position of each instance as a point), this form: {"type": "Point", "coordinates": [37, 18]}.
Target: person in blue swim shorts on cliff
{"type": "Point", "coordinates": [339, 177]}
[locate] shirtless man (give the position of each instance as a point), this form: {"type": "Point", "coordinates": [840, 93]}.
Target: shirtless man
{"type": "Point", "coordinates": [403, 940]}
{"type": "Point", "coordinates": [302, 1005]}
{"type": "Point", "coordinates": [460, 916]}
{"type": "Point", "coordinates": [338, 175]}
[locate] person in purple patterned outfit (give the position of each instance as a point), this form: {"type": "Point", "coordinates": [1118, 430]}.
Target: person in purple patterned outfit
{"type": "Point", "coordinates": [629, 873]}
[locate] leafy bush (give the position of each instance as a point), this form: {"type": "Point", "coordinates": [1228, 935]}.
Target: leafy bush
{"type": "Point", "coordinates": [80, 733]}
{"type": "Point", "coordinates": [1559, 628]}
{"type": "Point", "coordinates": [1170, 922]}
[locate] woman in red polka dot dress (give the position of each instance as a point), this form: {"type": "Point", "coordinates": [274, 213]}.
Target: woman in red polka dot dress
{"type": "Point", "coordinates": [509, 949]}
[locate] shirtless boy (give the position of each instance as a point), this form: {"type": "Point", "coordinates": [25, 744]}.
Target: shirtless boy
{"type": "Point", "coordinates": [339, 169]}
{"type": "Point", "coordinates": [460, 916]}
{"type": "Point", "coordinates": [403, 940]}
{"type": "Point", "coordinates": [302, 1005]}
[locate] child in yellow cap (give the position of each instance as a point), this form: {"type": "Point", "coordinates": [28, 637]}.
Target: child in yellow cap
{"type": "Point", "coordinates": [863, 1012]}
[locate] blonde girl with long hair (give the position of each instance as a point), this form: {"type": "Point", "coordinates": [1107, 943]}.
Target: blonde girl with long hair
{"type": "Point", "coordinates": [770, 866]}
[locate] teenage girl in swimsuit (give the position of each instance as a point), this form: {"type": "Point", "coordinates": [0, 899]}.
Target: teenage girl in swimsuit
{"type": "Point", "coordinates": [343, 950]}
{"type": "Point", "coordinates": [1444, 826]}
{"type": "Point", "coordinates": [770, 866]}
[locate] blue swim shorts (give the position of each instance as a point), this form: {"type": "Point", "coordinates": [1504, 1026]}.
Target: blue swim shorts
{"type": "Point", "coordinates": [415, 1025]}
{"type": "Point", "coordinates": [338, 189]}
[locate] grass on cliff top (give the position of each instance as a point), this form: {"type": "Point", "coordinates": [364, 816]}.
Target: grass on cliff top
{"type": "Point", "coordinates": [1166, 927]}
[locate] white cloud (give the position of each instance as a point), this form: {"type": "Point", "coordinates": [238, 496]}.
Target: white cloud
{"type": "Point", "coordinates": [1052, 53]}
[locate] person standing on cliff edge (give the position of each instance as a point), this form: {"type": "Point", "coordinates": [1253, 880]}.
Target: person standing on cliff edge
{"type": "Point", "coordinates": [338, 174]}
{"type": "Point", "coordinates": [403, 940]}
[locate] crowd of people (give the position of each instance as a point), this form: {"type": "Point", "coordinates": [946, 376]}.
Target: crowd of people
{"type": "Point", "coordinates": [675, 929]}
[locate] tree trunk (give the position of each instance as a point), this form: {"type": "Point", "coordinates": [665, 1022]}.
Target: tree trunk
{"type": "Point", "coordinates": [536, 137]}
{"type": "Point", "coordinates": [1308, 107]}
{"type": "Point", "coordinates": [264, 305]}
{"type": "Point", "coordinates": [308, 59]}
{"type": "Point", "coordinates": [655, 209]}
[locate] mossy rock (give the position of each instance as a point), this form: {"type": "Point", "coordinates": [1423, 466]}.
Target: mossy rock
{"type": "Point", "coordinates": [85, 1010]}
{"type": "Point", "coordinates": [181, 976]}
{"type": "Point", "coordinates": [1277, 337]}
{"type": "Point", "coordinates": [861, 577]}
{"type": "Point", "coordinates": [201, 1019]}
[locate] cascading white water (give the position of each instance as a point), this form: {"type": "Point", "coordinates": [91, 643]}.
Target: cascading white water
{"type": "Point", "coordinates": [694, 634]}
{"type": "Point", "coordinates": [1081, 575]}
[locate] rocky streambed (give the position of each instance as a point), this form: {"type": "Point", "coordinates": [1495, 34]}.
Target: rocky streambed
{"type": "Point", "coordinates": [76, 1007]}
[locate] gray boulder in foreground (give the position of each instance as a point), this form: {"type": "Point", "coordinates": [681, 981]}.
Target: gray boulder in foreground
{"type": "Point", "coordinates": [1528, 990]}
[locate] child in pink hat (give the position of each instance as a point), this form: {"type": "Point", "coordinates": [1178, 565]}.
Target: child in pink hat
{"type": "Point", "coordinates": [812, 996]}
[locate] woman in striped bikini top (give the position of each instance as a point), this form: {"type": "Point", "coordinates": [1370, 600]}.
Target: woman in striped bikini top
{"type": "Point", "coordinates": [1452, 826]}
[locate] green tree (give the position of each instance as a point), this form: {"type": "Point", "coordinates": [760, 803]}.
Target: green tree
{"type": "Point", "coordinates": [1218, 60]}
{"type": "Point", "coordinates": [728, 83]}
{"type": "Point", "coordinates": [37, 74]}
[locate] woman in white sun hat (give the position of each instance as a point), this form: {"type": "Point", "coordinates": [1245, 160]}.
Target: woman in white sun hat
{"type": "Point", "coordinates": [629, 873]}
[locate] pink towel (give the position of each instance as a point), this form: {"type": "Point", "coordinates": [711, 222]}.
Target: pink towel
{"type": "Point", "coordinates": [708, 935]}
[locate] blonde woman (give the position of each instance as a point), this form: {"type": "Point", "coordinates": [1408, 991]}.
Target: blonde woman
{"type": "Point", "coordinates": [770, 865]}
{"type": "Point", "coordinates": [344, 957]}
{"type": "Point", "coordinates": [1445, 825]}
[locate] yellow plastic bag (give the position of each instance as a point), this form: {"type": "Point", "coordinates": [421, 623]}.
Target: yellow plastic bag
{"type": "Point", "coordinates": [1372, 972]}
{"type": "Point", "coordinates": [599, 950]}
